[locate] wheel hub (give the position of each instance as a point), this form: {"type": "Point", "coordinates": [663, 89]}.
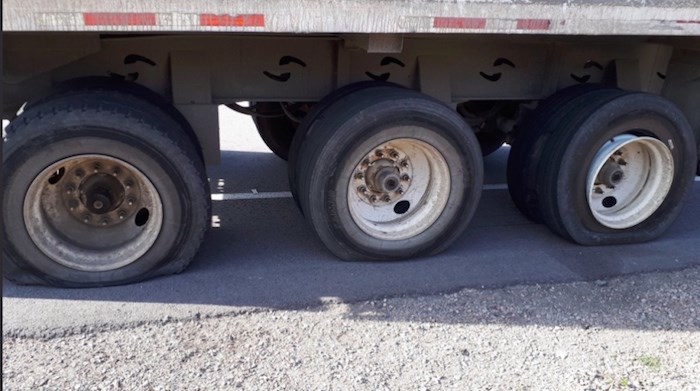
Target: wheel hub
{"type": "Point", "coordinates": [383, 175]}
{"type": "Point", "coordinates": [398, 189]}
{"type": "Point", "coordinates": [105, 197]}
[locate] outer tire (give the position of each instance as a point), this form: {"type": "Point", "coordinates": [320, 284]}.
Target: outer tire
{"type": "Point", "coordinates": [115, 125]}
{"type": "Point", "coordinates": [532, 136]}
{"type": "Point", "coordinates": [352, 127]}
{"type": "Point", "coordinates": [564, 172]}
{"type": "Point", "coordinates": [141, 97]}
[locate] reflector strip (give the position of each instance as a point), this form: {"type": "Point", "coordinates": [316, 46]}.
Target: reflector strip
{"type": "Point", "coordinates": [119, 19]}
{"type": "Point", "coordinates": [459, 23]}
{"type": "Point", "coordinates": [533, 24]}
{"type": "Point", "coordinates": [225, 20]}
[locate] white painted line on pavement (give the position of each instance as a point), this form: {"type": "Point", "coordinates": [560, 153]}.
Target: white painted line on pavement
{"type": "Point", "coordinates": [250, 196]}
{"type": "Point", "coordinates": [286, 194]}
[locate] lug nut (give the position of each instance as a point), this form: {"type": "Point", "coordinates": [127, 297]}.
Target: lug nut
{"type": "Point", "coordinates": [394, 155]}
{"type": "Point", "coordinates": [128, 184]}
{"type": "Point", "coordinates": [70, 189]}
{"type": "Point", "coordinates": [96, 168]}
{"type": "Point", "coordinates": [379, 153]}
{"type": "Point", "coordinates": [386, 198]}
{"type": "Point", "coordinates": [405, 177]}
{"type": "Point", "coordinates": [73, 204]}
{"type": "Point", "coordinates": [359, 175]}
{"type": "Point", "coordinates": [115, 172]}
{"type": "Point", "coordinates": [399, 190]}
{"type": "Point", "coordinates": [373, 199]}
{"type": "Point", "coordinates": [104, 222]}
{"type": "Point", "coordinates": [79, 174]}
{"type": "Point", "coordinates": [404, 164]}
{"type": "Point", "coordinates": [86, 218]}
{"type": "Point", "coordinates": [366, 162]}
{"type": "Point", "coordinates": [130, 201]}
{"type": "Point", "coordinates": [122, 214]}
{"type": "Point", "coordinates": [362, 189]}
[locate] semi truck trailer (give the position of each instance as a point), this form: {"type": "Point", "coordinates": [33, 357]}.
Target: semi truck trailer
{"type": "Point", "coordinates": [383, 110]}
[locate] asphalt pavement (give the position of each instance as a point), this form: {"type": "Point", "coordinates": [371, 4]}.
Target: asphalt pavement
{"type": "Point", "coordinates": [260, 254]}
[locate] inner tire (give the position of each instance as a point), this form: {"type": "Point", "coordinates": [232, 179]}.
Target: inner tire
{"type": "Point", "coordinates": [422, 168]}
{"type": "Point", "coordinates": [644, 137]}
{"type": "Point", "coordinates": [129, 149]}
{"type": "Point", "coordinates": [308, 124]}
{"type": "Point", "coordinates": [277, 132]}
{"type": "Point", "coordinates": [490, 142]}
{"type": "Point", "coordinates": [531, 137]}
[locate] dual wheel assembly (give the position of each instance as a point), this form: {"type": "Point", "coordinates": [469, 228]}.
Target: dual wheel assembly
{"type": "Point", "coordinates": [103, 185]}
{"type": "Point", "coordinates": [382, 172]}
{"type": "Point", "coordinates": [603, 166]}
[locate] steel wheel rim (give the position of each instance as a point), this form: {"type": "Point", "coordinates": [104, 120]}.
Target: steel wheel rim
{"type": "Point", "coordinates": [93, 213]}
{"type": "Point", "coordinates": [386, 210]}
{"type": "Point", "coordinates": [629, 179]}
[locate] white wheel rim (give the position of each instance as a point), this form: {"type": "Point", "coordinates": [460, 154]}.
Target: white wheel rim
{"type": "Point", "coordinates": [61, 219]}
{"type": "Point", "coordinates": [628, 180]}
{"type": "Point", "coordinates": [386, 212]}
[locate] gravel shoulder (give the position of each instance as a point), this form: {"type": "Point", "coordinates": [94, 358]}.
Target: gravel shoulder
{"type": "Point", "coordinates": [632, 333]}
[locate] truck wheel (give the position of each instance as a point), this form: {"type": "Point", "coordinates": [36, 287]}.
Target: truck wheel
{"type": "Point", "coordinates": [100, 192]}
{"type": "Point", "coordinates": [618, 173]}
{"type": "Point", "coordinates": [276, 132]}
{"type": "Point", "coordinates": [532, 135]}
{"type": "Point", "coordinates": [308, 124]}
{"type": "Point", "coordinates": [390, 174]}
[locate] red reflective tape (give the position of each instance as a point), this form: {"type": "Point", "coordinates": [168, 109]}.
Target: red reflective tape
{"type": "Point", "coordinates": [459, 23]}
{"type": "Point", "coordinates": [119, 19]}
{"type": "Point", "coordinates": [225, 20]}
{"type": "Point", "coordinates": [533, 24]}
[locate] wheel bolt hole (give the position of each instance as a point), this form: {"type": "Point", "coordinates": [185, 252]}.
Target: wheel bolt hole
{"type": "Point", "coordinates": [56, 176]}
{"type": "Point", "coordinates": [142, 217]}
{"type": "Point", "coordinates": [609, 202]}
{"type": "Point", "coordinates": [401, 207]}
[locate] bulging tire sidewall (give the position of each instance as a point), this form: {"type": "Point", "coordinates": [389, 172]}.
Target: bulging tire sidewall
{"type": "Point", "coordinates": [640, 114]}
